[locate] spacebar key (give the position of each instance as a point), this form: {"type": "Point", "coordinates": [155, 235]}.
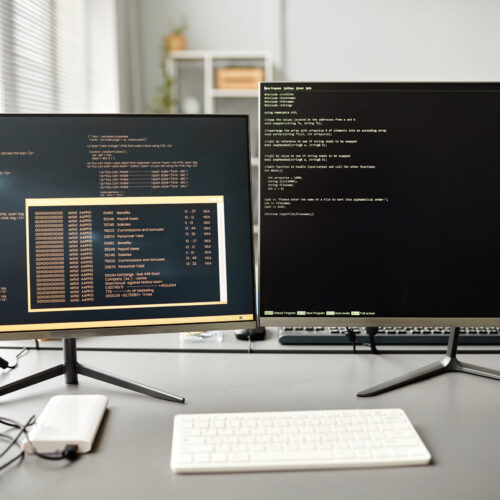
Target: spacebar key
{"type": "Point", "coordinates": [289, 456]}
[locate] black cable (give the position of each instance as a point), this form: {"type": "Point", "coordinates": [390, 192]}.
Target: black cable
{"type": "Point", "coordinates": [4, 364]}
{"type": "Point", "coordinates": [19, 456]}
{"type": "Point", "coordinates": [351, 337]}
{"type": "Point", "coordinates": [16, 425]}
{"type": "Point", "coordinates": [69, 452]}
{"type": "Point", "coordinates": [371, 331]}
{"type": "Point", "coordinates": [14, 441]}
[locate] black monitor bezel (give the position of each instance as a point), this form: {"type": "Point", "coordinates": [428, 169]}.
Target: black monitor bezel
{"type": "Point", "coordinates": [153, 328]}
{"type": "Point", "coordinates": [322, 321]}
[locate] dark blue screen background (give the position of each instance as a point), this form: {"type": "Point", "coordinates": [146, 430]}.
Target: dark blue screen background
{"type": "Point", "coordinates": [58, 169]}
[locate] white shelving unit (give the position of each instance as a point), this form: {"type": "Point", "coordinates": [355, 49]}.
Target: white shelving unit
{"type": "Point", "coordinates": [203, 65]}
{"type": "Point", "coordinates": [208, 61]}
{"type": "Point", "coordinates": [210, 58]}
{"type": "Point", "coordinates": [214, 93]}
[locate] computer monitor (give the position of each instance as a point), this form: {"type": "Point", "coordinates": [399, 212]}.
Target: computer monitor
{"type": "Point", "coordinates": [379, 204]}
{"type": "Point", "coordinates": [114, 224]}
{"type": "Point", "coordinates": [110, 222]}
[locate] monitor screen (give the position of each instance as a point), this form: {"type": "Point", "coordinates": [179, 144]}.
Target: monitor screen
{"type": "Point", "coordinates": [114, 221]}
{"type": "Point", "coordinates": [379, 204]}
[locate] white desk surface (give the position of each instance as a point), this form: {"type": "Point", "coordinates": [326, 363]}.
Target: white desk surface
{"type": "Point", "coordinates": [456, 415]}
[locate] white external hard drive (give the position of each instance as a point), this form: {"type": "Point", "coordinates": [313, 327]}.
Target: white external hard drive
{"type": "Point", "coordinates": [68, 420]}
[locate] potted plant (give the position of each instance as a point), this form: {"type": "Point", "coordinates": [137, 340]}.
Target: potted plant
{"type": "Point", "coordinates": [164, 100]}
{"type": "Point", "coordinates": [176, 40]}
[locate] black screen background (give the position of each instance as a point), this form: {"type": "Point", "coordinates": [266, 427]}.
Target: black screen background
{"type": "Point", "coordinates": [433, 250]}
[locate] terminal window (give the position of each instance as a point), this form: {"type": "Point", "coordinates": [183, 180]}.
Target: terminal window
{"type": "Point", "coordinates": [379, 200]}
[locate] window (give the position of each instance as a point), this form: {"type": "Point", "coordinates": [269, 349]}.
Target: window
{"type": "Point", "coordinates": [48, 59]}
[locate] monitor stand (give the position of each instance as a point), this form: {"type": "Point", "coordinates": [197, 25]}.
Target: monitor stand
{"type": "Point", "coordinates": [70, 368]}
{"type": "Point", "coordinates": [449, 363]}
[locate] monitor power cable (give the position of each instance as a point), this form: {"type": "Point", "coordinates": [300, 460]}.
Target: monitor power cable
{"type": "Point", "coordinates": [370, 331]}
{"type": "Point", "coordinates": [351, 337]}
{"type": "Point", "coordinates": [5, 365]}
{"type": "Point", "coordinates": [15, 439]}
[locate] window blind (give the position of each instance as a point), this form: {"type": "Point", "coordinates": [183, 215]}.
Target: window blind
{"type": "Point", "coordinates": [44, 56]}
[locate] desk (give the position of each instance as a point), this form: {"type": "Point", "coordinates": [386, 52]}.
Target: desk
{"type": "Point", "coordinates": [456, 415]}
{"type": "Point", "coordinates": [170, 342]}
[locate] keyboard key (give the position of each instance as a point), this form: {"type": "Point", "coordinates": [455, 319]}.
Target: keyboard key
{"type": "Point", "coordinates": [185, 459]}
{"type": "Point", "coordinates": [201, 458]}
{"type": "Point", "coordinates": [239, 457]}
{"type": "Point", "coordinates": [288, 456]}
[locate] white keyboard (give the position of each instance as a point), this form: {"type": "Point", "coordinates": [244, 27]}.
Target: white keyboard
{"type": "Point", "coordinates": [286, 440]}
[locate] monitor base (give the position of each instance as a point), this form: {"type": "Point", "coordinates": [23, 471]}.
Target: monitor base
{"type": "Point", "coordinates": [71, 368]}
{"type": "Point", "coordinates": [449, 363]}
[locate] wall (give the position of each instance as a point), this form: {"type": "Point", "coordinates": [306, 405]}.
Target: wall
{"type": "Point", "coordinates": [392, 40]}
{"type": "Point", "coordinates": [212, 24]}
{"type": "Point", "coordinates": [323, 39]}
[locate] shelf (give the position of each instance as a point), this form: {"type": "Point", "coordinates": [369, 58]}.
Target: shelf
{"type": "Point", "coordinates": [238, 93]}
{"type": "Point", "coordinates": [187, 54]}
{"type": "Point", "coordinates": [218, 54]}
{"type": "Point", "coordinates": [201, 66]}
